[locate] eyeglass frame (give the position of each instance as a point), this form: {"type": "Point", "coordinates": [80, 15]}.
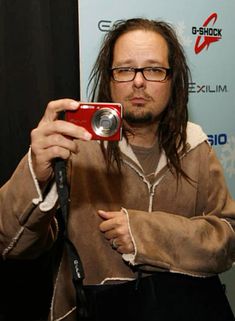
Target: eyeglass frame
{"type": "Point", "coordinates": [167, 70]}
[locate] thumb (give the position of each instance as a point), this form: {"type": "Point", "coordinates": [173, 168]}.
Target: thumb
{"type": "Point", "coordinates": [103, 214]}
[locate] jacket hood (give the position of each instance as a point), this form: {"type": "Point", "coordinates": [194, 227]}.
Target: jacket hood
{"type": "Point", "coordinates": [195, 136]}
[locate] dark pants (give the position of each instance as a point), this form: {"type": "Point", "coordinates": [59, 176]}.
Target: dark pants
{"type": "Point", "coordinates": [160, 297]}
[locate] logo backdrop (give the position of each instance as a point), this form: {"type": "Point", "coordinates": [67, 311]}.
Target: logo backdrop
{"type": "Point", "coordinates": [206, 31]}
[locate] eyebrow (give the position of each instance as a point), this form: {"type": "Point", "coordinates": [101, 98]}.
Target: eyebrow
{"type": "Point", "coordinates": [129, 62]}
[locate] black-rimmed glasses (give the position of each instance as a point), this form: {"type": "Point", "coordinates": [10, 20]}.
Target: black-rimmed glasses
{"type": "Point", "coordinates": [124, 74]}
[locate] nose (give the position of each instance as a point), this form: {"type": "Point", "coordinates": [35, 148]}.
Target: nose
{"type": "Point", "coordinates": [139, 80]}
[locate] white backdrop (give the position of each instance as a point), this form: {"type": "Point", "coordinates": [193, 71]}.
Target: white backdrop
{"type": "Point", "coordinates": [206, 30]}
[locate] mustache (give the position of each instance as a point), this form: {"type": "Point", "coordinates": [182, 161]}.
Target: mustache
{"type": "Point", "coordinates": [139, 94]}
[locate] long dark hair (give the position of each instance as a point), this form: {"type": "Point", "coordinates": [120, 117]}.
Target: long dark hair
{"type": "Point", "coordinates": [173, 122]}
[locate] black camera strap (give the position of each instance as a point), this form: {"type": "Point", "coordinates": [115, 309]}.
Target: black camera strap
{"type": "Point", "coordinates": [74, 258]}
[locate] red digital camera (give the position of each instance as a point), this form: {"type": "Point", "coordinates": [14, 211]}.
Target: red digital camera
{"type": "Point", "coordinates": [102, 120]}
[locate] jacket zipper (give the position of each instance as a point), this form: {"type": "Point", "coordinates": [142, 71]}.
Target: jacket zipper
{"type": "Point", "coordinates": [151, 187]}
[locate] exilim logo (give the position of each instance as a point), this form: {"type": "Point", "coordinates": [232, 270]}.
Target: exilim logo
{"type": "Point", "coordinates": [195, 88]}
{"type": "Point", "coordinates": [206, 34]}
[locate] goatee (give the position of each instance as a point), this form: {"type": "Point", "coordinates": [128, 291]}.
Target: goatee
{"type": "Point", "coordinates": [131, 118]}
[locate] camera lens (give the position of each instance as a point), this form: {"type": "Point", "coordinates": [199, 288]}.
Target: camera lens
{"type": "Point", "coordinates": [105, 122]}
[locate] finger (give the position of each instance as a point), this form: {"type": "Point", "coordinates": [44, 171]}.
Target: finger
{"type": "Point", "coordinates": [126, 249]}
{"type": "Point", "coordinates": [108, 215]}
{"type": "Point", "coordinates": [59, 127]}
{"type": "Point", "coordinates": [55, 107]}
{"type": "Point", "coordinates": [70, 130]}
{"type": "Point", "coordinates": [107, 225]}
{"type": "Point", "coordinates": [114, 244]}
{"type": "Point", "coordinates": [53, 152]}
{"type": "Point", "coordinates": [113, 220]}
{"type": "Point", "coordinates": [103, 214]}
{"type": "Point", "coordinates": [42, 163]}
{"type": "Point", "coordinates": [59, 140]}
{"type": "Point", "coordinates": [114, 227]}
{"type": "Point", "coordinates": [111, 234]}
{"type": "Point", "coordinates": [125, 245]}
{"type": "Point", "coordinates": [117, 223]}
{"type": "Point", "coordinates": [48, 154]}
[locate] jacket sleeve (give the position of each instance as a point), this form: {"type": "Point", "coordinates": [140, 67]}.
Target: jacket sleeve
{"type": "Point", "coordinates": [201, 245]}
{"type": "Point", "coordinates": [27, 224]}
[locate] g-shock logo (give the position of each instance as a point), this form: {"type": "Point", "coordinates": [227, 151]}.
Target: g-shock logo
{"type": "Point", "coordinates": [207, 34]}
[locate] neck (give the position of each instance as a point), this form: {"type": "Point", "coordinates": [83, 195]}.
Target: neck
{"type": "Point", "coordinates": [142, 135]}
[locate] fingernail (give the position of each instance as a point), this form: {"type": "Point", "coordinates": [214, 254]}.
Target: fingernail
{"type": "Point", "coordinates": [87, 136]}
{"type": "Point", "coordinates": [74, 104]}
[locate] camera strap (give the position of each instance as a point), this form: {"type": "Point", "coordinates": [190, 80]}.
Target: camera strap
{"type": "Point", "coordinates": [74, 258]}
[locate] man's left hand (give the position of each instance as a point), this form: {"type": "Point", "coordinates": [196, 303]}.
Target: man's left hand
{"type": "Point", "coordinates": [116, 231]}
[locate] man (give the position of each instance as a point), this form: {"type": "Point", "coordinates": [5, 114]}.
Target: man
{"type": "Point", "coordinates": [154, 202]}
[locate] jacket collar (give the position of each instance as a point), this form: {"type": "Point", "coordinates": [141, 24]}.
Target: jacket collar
{"type": "Point", "coordinates": [195, 136]}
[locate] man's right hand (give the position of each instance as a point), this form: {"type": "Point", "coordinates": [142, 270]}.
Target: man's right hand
{"type": "Point", "coordinates": [54, 138]}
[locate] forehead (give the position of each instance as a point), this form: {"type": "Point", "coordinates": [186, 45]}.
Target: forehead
{"type": "Point", "coordinates": [140, 46]}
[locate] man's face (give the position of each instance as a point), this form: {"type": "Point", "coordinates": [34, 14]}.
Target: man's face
{"type": "Point", "coordinates": [143, 100]}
